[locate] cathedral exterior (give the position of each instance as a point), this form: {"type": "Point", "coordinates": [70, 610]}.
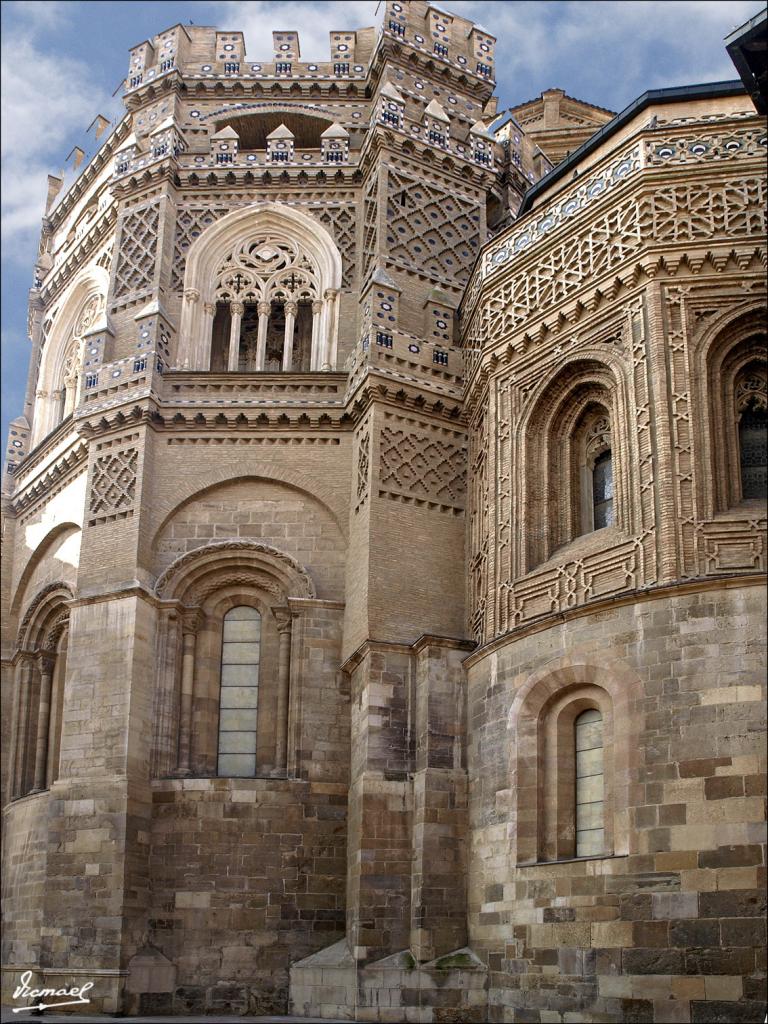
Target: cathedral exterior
{"type": "Point", "coordinates": [384, 546]}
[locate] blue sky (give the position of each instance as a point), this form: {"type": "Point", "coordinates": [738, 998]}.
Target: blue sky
{"type": "Point", "coordinates": [63, 59]}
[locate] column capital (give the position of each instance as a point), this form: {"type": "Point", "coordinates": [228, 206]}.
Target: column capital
{"type": "Point", "coordinates": [209, 308]}
{"type": "Point", "coordinates": [46, 660]}
{"type": "Point", "coordinates": [291, 308]}
{"type": "Point", "coordinates": [191, 621]}
{"type": "Point", "coordinates": [192, 295]}
{"type": "Point", "coordinates": [236, 308]}
{"type": "Point", "coordinates": [330, 293]}
{"type": "Point", "coordinates": [264, 308]}
{"type": "Point", "coordinates": [283, 618]}
{"type": "Point", "coordinates": [317, 305]}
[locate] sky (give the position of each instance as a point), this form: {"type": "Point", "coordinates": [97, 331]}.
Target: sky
{"type": "Point", "coordinates": [62, 60]}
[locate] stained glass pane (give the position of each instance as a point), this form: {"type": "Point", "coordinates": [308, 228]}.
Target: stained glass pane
{"type": "Point", "coordinates": [239, 694]}
{"type": "Point", "coordinates": [753, 451]}
{"type": "Point", "coordinates": [590, 838]}
{"type": "Point", "coordinates": [602, 490]}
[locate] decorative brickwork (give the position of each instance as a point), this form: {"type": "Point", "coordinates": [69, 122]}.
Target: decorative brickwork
{"type": "Point", "coordinates": [427, 229]}
{"type": "Point", "coordinates": [113, 485]}
{"type": "Point", "coordinates": [138, 248]}
{"type": "Point", "coordinates": [421, 467]}
{"type": "Point", "coordinates": [384, 541]}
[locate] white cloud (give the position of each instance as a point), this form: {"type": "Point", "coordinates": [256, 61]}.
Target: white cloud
{"type": "Point", "coordinates": [48, 100]}
{"type": "Point", "coordinates": [313, 21]}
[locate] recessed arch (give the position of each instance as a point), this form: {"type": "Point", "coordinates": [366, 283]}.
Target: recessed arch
{"type": "Point", "coordinates": [275, 475]}
{"type": "Point", "coordinates": [81, 312]}
{"type": "Point", "coordinates": [192, 575]}
{"type": "Point", "coordinates": [54, 536]}
{"type": "Point", "coordinates": [262, 230]}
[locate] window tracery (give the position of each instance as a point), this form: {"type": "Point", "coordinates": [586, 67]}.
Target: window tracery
{"type": "Point", "coordinates": [267, 303]}
{"type": "Point", "coordinates": [751, 401]}
{"type": "Point", "coordinates": [269, 278]}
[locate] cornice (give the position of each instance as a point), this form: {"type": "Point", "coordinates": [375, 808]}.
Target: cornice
{"type": "Point", "coordinates": [600, 605]}
{"type": "Point", "coordinates": [64, 207]}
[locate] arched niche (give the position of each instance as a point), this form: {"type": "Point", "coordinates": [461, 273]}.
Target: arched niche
{"type": "Point", "coordinates": [81, 313]}
{"type": "Point", "coordinates": [267, 262]}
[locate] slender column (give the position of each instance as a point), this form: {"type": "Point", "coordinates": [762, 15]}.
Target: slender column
{"type": "Point", "coordinates": [328, 359]}
{"type": "Point", "coordinates": [188, 341]}
{"type": "Point", "coordinates": [46, 662]}
{"type": "Point", "coordinates": [70, 389]}
{"type": "Point", "coordinates": [316, 356]}
{"type": "Point", "coordinates": [15, 717]}
{"type": "Point", "coordinates": [284, 622]}
{"type": "Point", "coordinates": [206, 336]}
{"type": "Point", "coordinates": [264, 309]}
{"type": "Point", "coordinates": [291, 309]}
{"type": "Point", "coordinates": [25, 669]}
{"type": "Point", "coordinates": [236, 310]}
{"type": "Point", "coordinates": [189, 627]}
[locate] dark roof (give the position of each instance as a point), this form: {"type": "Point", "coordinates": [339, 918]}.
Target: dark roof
{"type": "Point", "coordinates": [675, 94]}
{"type": "Point", "coordinates": [747, 46]}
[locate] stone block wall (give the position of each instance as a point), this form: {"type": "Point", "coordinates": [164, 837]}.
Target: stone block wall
{"type": "Point", "coordinates": [247, 877]}
{"type": "Point", "coordinates": [669, 925]}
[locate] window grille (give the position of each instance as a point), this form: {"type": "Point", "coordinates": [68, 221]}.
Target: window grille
{"type": "Point", "coordinates": [385, 340]}
{"type": "Point", "coordinates": [239, 693]}
{"type": "Point", "coordinates": [91, 380]}
{"type": "Point", "coordinates": [225, 158]}
{"type": "Point", "coordinates": [397, 28]}
{"type": "Point", "coordinates": [602, 490]}
{"type": "Point", "coordinates": [334, 156]}
{"type": "Point", "coordinates": [753, 453]}
{"type": "Point", "coordinates": [341, 69]}
{"type": "Point", "coordinates": [484, 69]}
{"type": "Point", "coordinates": [437, 138]}
{"type": "Point", "coordinates": [136, 80]}
{"type": "Point", "coordinates": [390, 117]}
{"type": "Point", "coordinates": [441, 358]}
{"type": "Point", "coordinates": [231, 68]}
{"type": "Point", "coordinates": [441, 50]}
{"type": "Point", "coordinates": [280, 156]}
{"type": "Point", "coordinates": [283, 68]}
{"type": "Point", "coordinates": [167, 64]}
{"type": "Point", "coordinates": [139, 364]}
{"type": "Point", "coordinates": [590, 788]}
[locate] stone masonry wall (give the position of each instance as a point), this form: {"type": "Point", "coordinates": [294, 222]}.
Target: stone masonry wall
{"type": "Point", "coordinates": [671, 928]}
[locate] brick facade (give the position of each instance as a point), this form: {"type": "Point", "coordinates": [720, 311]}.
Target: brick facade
{"type": "Point", "coordinates": [404, 495]}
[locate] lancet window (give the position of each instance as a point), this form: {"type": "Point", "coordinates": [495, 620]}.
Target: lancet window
{"type": "Point", "coordinates": [268, 308]}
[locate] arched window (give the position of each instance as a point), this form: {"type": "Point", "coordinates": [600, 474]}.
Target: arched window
{"type": "Point", "coordinates": [261, 294]}
{"type": "Point", "coordinates": [572, 462]}
{"type": "Point", "coordinates": [239, 693]}
{"type": "Point", "coordinates": [65, 333]}
{"type": "Point", "coordinates": [267, 308]}
{"type": "Point", "coordinates": [591, 448]}
{"type": "Point", "coordinates": [589, 802]}
{"type": "Point", "coordinates": [40, 668]}
{"type": "Point", "coordinates": [751, 394]}
{"type": "Point", "coordinates": [602, 491]}
{"type": "Point", "coordinates": [735, 400]}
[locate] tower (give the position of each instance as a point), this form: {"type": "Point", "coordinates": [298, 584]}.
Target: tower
{"type": "Point", "coordinates": [383, 525]}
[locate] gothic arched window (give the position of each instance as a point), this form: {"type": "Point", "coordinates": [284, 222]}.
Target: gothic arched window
{"type": "Point", "coordinates": [239, 693]}
{"type": "Point", "coordinates": [751, 395]}
{"type": "Point", "coordinates": [602, 491]}
{"type": "Point", "coordinates": [591, 449]}
{"type": "Point", "coordinates": [261, 290]}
